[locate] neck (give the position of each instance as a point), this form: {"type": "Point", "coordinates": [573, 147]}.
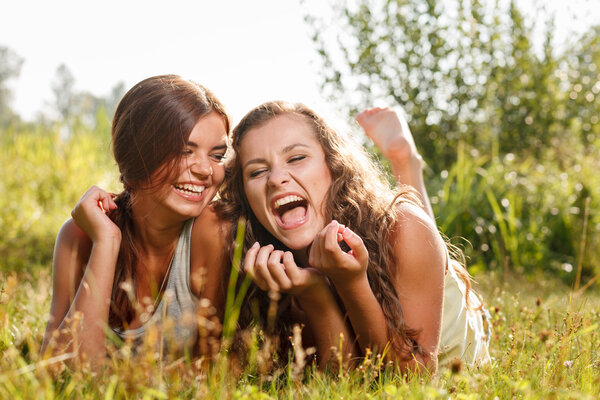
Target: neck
{"type": "Point", "coordinates": [155, 236]}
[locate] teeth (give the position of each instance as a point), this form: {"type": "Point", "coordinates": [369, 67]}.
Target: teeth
{"type": "Point", "coordinates": [195, 189]}
{"type": "Point", "coordinates": [286, 200]}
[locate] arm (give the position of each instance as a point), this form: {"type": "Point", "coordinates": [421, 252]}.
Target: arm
{"type": "Point", "coordinates": [277, 271]}
{"type": "Point", "coordinates": [209, 260]}
{"type": "Point", "coordinates": [391, 134]}
{"type": "Point", "coordinates": [419, 281]}
{"type": "Point", "coordinates": [85, 256]}
{"type": "Point", "coordinates": [209, 274]}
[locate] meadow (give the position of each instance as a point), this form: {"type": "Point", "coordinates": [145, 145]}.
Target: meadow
{"type": "Point", "coordinates": [529, 228]}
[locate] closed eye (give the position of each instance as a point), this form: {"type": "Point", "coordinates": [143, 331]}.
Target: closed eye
{"type": "Point", "coordinates": [219, 157]}
{"type": "Point", "coordinates": [297, 158]}
{"type": "Point", "coordinates": [255, 173]}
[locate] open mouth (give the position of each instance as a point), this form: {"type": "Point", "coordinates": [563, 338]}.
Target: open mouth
{"type": "Point", "coordinates": [189, 189]}
{"type": "Point", "coordinates": [290, 210]}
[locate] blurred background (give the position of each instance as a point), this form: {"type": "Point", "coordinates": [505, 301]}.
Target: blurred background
{"type": "Point", "coordinates": [501, 96]}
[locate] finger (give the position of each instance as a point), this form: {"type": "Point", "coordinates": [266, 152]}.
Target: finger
{"type": "Point", "coordinates": [107, 204]}
{"type": "Point", "coordinates": [330, 243]}
{"type": "Point", "coordinates": [357, 247]}
{"type": "Point", "coordinates": [102, 198]}
{"type": "Point", "coordinates": [339, 236]}
{"type": "Point", "coordinates": [250, 258]}
{"type": "Point", "coordinates": [111, 202]}
{"type": "Point", "coordinates": [316, 249]}
{"type": "Point", "coordinates": [262, 271]}
{"type": "Point", "coordinates": [277, 270]}
{"type": "Point", "coordinates": [291, 269]}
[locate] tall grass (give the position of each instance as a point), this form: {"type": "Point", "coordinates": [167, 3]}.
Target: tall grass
{"type": "Point", "coordinates": [523, 218]}
{"type": "Point", "coordinates": [526, 216]}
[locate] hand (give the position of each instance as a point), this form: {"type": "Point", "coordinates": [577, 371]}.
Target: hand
{"type": "Point", "coordinates": [390, 133]}
{"type": "Point", "coordinates": [327, 256]}
{"type": "Point", "coordinates": [275, 270]}
{"type": "Point", "coordinates": [90, 215]}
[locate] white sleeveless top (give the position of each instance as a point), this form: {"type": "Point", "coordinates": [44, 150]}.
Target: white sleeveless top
{"type": "Point", "coordinates": [173, 321]}
{"type": "Point", "coordinates": [466, 331]}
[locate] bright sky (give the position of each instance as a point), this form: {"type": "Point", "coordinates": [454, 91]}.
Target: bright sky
{"type": "Point", "coordinates": [245, 51]}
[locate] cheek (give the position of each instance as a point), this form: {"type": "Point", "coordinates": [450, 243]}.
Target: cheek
{"type": "Point", "coordinates": [254, 199]}
{"type": "Point", "coordinates": [218, 174]}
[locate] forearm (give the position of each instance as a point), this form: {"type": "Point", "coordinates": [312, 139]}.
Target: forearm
{"type": "Point", "coordinates": [369, 324]}
{"type": "Point", "coordinates": [330, 330]}
{"type": "Point", "coordinates": [83, 327]}
{"type": "Point", "coordinates": [365, 313]}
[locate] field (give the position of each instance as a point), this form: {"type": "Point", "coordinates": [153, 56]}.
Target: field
{"type": "Point", "coordinates": [533, 249]}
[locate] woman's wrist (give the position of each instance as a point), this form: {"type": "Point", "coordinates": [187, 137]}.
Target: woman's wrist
{"type": "Point", "coordinates": [350, 286]}
{"type": "Point", "coordinates": [108, 246]}
{"type": "Point", "coordinates": [315, 295]}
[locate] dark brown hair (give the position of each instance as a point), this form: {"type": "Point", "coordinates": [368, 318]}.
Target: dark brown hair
{"type": "Point", "coordinates": [150, 129]}
{"type": "Point", "coordinates": [358, 197]}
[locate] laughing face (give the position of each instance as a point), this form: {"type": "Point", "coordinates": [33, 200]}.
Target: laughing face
{"type": "Point", "coordinates": [286, 179]}
{"type": "Point", "coordinates": [201, 171]}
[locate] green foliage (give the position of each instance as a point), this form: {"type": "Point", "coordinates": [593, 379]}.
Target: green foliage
{"type": "Point", "coordinates": [464, 70]}
{"type": "Point", "coordinates": [507, 124]}
{"type": "Point", "coordinates": [523, 214]}
{"type": "Point", "coordinates": [41, 179]}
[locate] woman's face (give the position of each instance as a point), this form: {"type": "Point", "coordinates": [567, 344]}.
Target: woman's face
{"type": "Point", "coordinates": [201, 169]}
{"type": "Point", "coordinates": [286, 179]}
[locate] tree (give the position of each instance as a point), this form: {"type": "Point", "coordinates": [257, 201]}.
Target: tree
{"type": "Point", "coordinates": [10, 67]}
{"type": "Point", "coordinates": [63, 89]}
{"type": "Point", "coordinates": [465, 71]}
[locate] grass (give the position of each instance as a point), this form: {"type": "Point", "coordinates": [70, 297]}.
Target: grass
{"type": "Point", "coordinates": [532, 227]}
{"type": "Point", "coordinates": [544, 345]}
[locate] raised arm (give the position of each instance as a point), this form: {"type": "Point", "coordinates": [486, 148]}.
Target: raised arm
{"type": "Point", "coordinates": [391, 134]}
{"type": "Point", "coordinates": [85, 257]}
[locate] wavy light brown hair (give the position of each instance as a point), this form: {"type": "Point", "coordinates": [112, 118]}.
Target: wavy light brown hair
{"type": "Point", "coordinates": [150, 128]}
{"type": "Point", "coordinates": [358, 198]}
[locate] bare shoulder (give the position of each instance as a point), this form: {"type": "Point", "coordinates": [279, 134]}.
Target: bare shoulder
{"type": "Point", "coordinates": [71, 242]}
{"type": "Point", "coordinates": [209, 257]}
{"type": "Point", "coordinates": [418, 246]}
{"type": "Point", "coordinates": [209, 230]}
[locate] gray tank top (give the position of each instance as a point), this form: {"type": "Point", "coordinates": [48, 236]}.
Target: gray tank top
{"type": "Point", "coordinates": [174, 317]}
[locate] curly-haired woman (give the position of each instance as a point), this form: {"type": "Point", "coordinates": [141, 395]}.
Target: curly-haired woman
{"type": "Point", "coordinates": [320, 216]}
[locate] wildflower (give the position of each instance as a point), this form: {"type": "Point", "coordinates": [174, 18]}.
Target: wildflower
{"type": "Point", "coordinates": [455, 365]}
{"type": "Point", "coordinates": [568, 363]}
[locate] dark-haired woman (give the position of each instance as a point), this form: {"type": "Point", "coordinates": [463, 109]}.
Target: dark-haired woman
{"type": "Point", "coordinates": [304, 189]}
{"type": "Point", "coordinates": [125, 264]}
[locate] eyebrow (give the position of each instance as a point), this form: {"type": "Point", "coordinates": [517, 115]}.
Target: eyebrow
{"type": "Point", "coordinates": [286, 149]}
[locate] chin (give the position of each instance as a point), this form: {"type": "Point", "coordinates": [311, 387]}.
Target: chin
{"type": "Point", "coordinates": [299, 243]}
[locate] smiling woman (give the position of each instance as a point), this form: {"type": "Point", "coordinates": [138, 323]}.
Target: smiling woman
{"type": "Point", "coordinates": [323, 224]}
{"type": "Point", "coordinates": [126, 262]}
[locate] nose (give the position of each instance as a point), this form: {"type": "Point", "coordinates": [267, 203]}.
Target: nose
{"type": "Point", "coordinates": [278, 176]}
{"type": "Point", "coordinates": [201, 166]}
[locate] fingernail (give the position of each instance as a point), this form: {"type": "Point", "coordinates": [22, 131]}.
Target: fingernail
{"type": "Point", "coordinates": [254, 245]}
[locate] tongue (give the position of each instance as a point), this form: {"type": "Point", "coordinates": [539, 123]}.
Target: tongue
{"type": "Point", "coordinates": [293, 215]}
